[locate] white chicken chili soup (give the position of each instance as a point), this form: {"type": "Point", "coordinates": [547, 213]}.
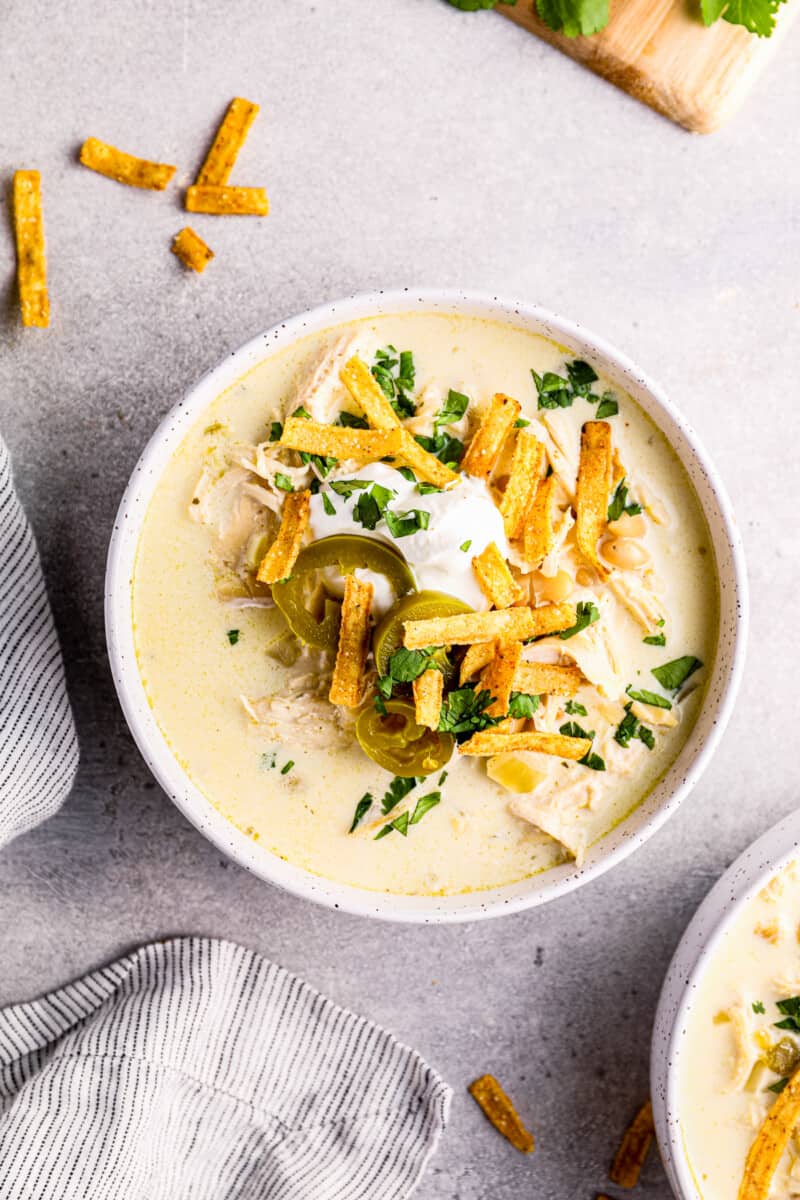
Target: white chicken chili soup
{"type": "Point", "coordinates": [531, 515]}
{"type": "Point", "coordinates": [742, 1046]}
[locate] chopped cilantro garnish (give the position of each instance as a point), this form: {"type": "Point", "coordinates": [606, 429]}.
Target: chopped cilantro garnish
{"type": "Point", "coordinates": [399, 823]}
{"type": "Point", "coordinates": [581, 376]}
{"type": "Point", "coordinates": [425, 488]}
{"type": "Point", "coordinates": [362, 808]}
{"type": "Point", "coordinates": [447, 449]}
{"type": "Point", "coordinates": [327, 504]}
{"type": "Point", "coordinates": [673, 675]}
{"type": "Point", "coordinates": [403, 524]}
{"type": "Point", "coordinates": [645, 697]}
{"type": "Point", "coordinates": [452, 410]}
{"type": "Point", "coordinates": [407, 665]}
{"type": "Point", "coordinates": [283, 482]}
{"type": "Point", "coordinates": [619, 502]}
{"type": "Point", "coordinates": [398, 789]}
{"type": "Point", "coordinates": [464, 712]}
{"type": "Point", "coordinates": [586, 613]}
{"type": "Point", "coordinates": [395, 377]}
{"type": "Point", "coordinates": [352, 420]}
{"type": "Point", "coordinates": [655, 639]}
{"type": "Point", "coordinates": [608, 406]}
{"type": "Point", "coordinates": [286, 768]}
{"type": "Point", "coordinates": [442, 777]}
{"type": "Point", "coordinates": [778, 1086]}
{"type": "Point", "coordinates": [233, 636]}
{"type": "Point", "coordinates": [346, 487]}
{"type": "Point", "coordinates": [407, 473]}
{"type": "Point", "coordinates": [521, 423]}
{"type": "Point", "coordinates": [424, 805]}
{"type": "Point", "coordinates": [553, 390]}
{"type": "Point", "coordinates": [574, 730]}
{"type": "Point", "coordinates": [366, 511]}
{"type": "Point", "coordinates": [630, 727]}
{"type": "Point", "coordinates": [275, 431]}
{"type": "Point", "coordinates": [790, 1007]}
{"type": "Point", "coordinates": [465, 545]}
{"type": "Point", "coordinates": [302, 412]}
{"type": "Point", "coordinates": [574, 709]}
{"type": "Point", "coordinates": [521, 704]}
{"type": "Point", "coordinates": [593, 761]}
{"type": "Point", "coordinates": [758, 1006]}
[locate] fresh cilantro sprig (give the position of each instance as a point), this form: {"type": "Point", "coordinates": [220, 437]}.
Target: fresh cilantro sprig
{"type": "Point", "coordinates": [452, 410]}
{"type": "Point", "coordinates": [395, 374]}
{"type": "Point", "coordinates": [402, 823]}
{"type": "Point", "coordinates": [556, 391]}
{"type": "Point", "coordinates": [619, 503]}
{"type": "Point", "coordinates": [464, 713]}
{"type": "Point", "coordinates": [593, 761]}
{"type": "Point", "coordinates": [443, 446]}
{"type": "Point", "coordinates": [631, 727]}
{"type": "Point", "coordinates": [586, 614]}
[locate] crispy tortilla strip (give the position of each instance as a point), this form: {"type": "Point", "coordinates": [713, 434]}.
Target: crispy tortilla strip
{"type": "Point", "coordinates": [280, 558]}
{"type": "Point", "coordinates": [489, 741]}
{"type": "Point", "coordinates": [477, 657]}
{"type": "Point", "coordinates": [771, 1141]}
{"type": "Point", "coordinates": [630, 1157]}
{"type": "Point", "coordinates": [230, 138]}
{"type": "Point", "coordinates": [192, 250]}
{"type": "Point", "coordinates": [544, 679]}
{"type": "Point", "coordinates": [496, 581]}
{"type": "Point", "coordinates": [227, 201]}
{"type": "Point", "coordinates": [362, 445]}
{"type": "Point", "coordinates": [368, 395]}
{"type": "Point", "coordinates": [538, 534]}
{"type": "Point", "coordinates": [498, 1108]}
{"type": "Point", "coordinates": [498, 678]}
{"type": "Point", "coordinates": [347, 683]}
{"type": "Point", "coordinates": [125, 168]}
{"type": "Point", "coordinates": [34, 301]}
{"type": "Point", "coordinates": [426, 466]}
{"type": "Point", "coordinates": [427, 689]}
{"type": "Point", "coordinates": [484, 449]}
{"type": "Point", "coordinates": [592, 491]}
{"type": "Point", "coordinates": [526, 469]}
{"type": "Point", "coordinates": [508, 624]}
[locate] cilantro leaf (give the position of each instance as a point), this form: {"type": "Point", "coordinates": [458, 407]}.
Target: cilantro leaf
{"type": "Point", "coordinates": [346, 487]}
{"type": "Point", "coordinates": [756, 15]}
{"type": "Point", "coordinates": [327, 504]}
{"type": "Point", "coordinates": [452, 410]}
{"type": "Point", "coordinates": [655, 639]}
{"type": "Point", "coordinates": [645, 697]}
{"type": "Point", "coordinates": [478, 5]}
{"type": "Point", "coordinates": [362, 808]}
{"type": "Point", "coordinates": [275, 431]}
{"type": "Point", "coordinates": [778, 1086]}
{"type": "Point", "coordinates": [403, 524]}
{"type": "Point", "coordinates": [619, 502]}
{"type": "Point", "coordinates": [581, 376]}
{"type": "Point", "coordinates": [790, 1007]}
{"type": "Point", "coordinates": [574, 17]}
{"type": "Point", "coordinates": [407, 665]}
{"type": "Point", "coordinates": [464, 713]}
{"type": "Point", "coordinates": [398, 790]}
{"type": "Point", "coordinates": [574, 709]}
{"type": "Point", "coordinates": [352, 421]}
{"type": "Point", "coordinates": [395, 377]}
{"type": "Point", "coordinates": [366, 511]}
{"type": "Point", "coordinates": [283, 482]}
{"type": "Point", "coordinates": [521, 704]}
{"type": "Point", "coordinates": [399, 823]}
{"type": "Point", "coordinates": [593, 761]}
{"type": "Point", "coordinates": [608, 406]}
{"type": "Point", "coordinates": [758, 1006]}
{"type": "Point", "coordinates": [553, 391]}
{"type": "Point", "coordinates": [233, 636]}
{"type": "Point", "coordinates": [673, 675]}
{"type": "Point", "coordinates": [574, 730]}
{"type": "Point", "coordinates": [424, 805]}
{"type": "Point", "coordinates": [587, 613]}
{"type": "Point", "coordinates": [447, 449]}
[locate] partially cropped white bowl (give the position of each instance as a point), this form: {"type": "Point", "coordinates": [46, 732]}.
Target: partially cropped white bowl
{"type": "Point", "coordinates": [743, 880]}
{"type": "Point", "coordinates": [640, 825]}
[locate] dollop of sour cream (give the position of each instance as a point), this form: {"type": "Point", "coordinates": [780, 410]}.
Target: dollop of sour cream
{"type": "Point", "coordinates": [464, 516]}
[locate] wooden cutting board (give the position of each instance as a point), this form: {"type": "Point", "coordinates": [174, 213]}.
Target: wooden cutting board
{"type": "Point", "coordinates": [663, 55]}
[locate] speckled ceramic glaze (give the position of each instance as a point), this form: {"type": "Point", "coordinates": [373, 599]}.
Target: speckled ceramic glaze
{"type": "Point", "coordinates": [662, 801]}
{"type": "Point", "coordinates": [740, 883]}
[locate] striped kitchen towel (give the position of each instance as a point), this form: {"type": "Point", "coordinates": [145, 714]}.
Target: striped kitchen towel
{"type": "Point", "coordinates": [38, 746]}
{"type": "Point", "coordinates": [194, 1068]}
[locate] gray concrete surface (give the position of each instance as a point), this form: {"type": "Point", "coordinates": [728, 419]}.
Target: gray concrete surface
{"type": "Point", "coordinates": [401, 143]}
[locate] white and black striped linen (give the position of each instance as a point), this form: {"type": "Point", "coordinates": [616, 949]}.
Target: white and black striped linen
{"type": "Point", "coordinates": [38, 746]}
{"type": "Point", "coordinates": [196, 1069]}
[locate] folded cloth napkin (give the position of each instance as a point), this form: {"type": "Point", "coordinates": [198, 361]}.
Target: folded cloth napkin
{"type": "Point", "coordinates": [196, 1069]}
{"type": "Point", "coordinates": [38, 746]}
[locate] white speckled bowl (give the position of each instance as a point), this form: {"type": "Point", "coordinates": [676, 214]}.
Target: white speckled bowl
{"type": "Point", "coordinates": [740, 883]}
{"type": "Point", "coordinates": [667, 795]}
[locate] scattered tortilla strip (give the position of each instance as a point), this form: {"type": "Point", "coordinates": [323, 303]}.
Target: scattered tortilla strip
{"type": "Point", "coordinates": [192, 250]}
{"type": "Point", "coordinates": [630, 1157]}
{"type": "Point", "coordinates": [34, 301]}
{"type": "Point", "coordinates": [509, 624]}
{"type": "Point", "coordinates": [363, 445]}
{"type": "Point", "coordinates": [526, 469]}
{"type": "Point", "coordinates": [545, 679]}
{"type": "Point", "coordinates": [426, 466]}
{"type": "Point", "coordinates": [484, 449]}
{"type": "Point", "coordinates": [427, 689]}
{"type": "Point", "coordinates": [368, 395]}
{"type": "Point", "coordinates": [477, 657]}
{"type": "Point", "coordinates": [495, 579]}
{"type": "Point", "coordinates": [538, 533]}
{"type": "Point", "coordinates": [489, 742]}
{"type": "Point", "coordinates": [498, 1109]}
{"type": "Point", "coordinates": [125, 168]}
{"type": "Point", "coordinates": [230, 138]}
{"type": "Point", "coordinates": [592, 491]}
{"type": "Point", "coordinates": [770, 1143]}
{"type": "Point", "coordinates": [227, 201]}
{"type": "Point", "coordinates": [347, 683]}
{"type": "Point", "coordinates": [498, 678]}
{"type": "Point", "coordinates": [280, 558]}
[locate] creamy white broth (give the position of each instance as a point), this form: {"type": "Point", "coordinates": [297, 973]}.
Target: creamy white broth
{"type": "Point", "coordinates": [473, 839]}
{"type": "Point", "coordinates": [724, 1083]}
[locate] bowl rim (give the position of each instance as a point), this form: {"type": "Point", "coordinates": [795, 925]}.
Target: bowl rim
{"type": "Point", "coordinates": [537, 889]}
{"type": "Point", "coordinates": [737, 886]}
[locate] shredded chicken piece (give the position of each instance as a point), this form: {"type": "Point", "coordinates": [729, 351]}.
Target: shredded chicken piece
{"type": "Point", "coordinates": [559, 814]}
{"type": "Point", "coordinates": [742, 1054]}
{"type": "Point", "coordinates": [637, 594]}
{"type": "Point", "coordinates": [562, 450]}
{"type": "Point", "coordinates": [429, 401]}
{"type": "Point", "coordinates": [307, 719]}
{"type": "Point", "coordinates": [322, 394]}
{"type": "Point", "coordinates": [593, 651]}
